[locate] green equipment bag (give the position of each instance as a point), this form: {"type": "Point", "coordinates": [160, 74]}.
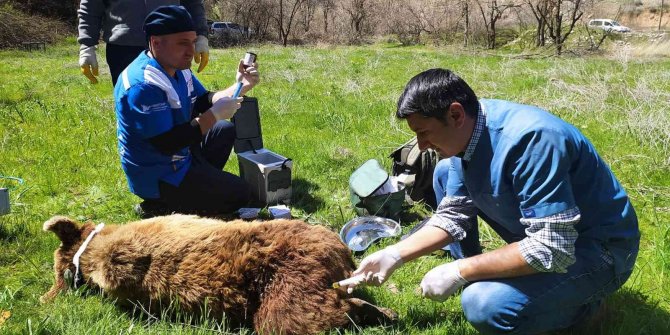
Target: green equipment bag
{"type": "Point", "coordinates": [408, 159]}
{"type": "Point", "coordinates": [364, 182]}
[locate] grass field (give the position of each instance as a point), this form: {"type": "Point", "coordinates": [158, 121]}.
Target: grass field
{"type": "Point", "coordinates": [329, 109]}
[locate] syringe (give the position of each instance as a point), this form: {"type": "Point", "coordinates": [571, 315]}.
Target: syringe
{"type": "Point", "coordinates": [238, 89]}
{"type": "Point", "coordinates": [357, 279]}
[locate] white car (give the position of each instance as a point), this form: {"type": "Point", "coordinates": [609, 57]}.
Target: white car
{"type": "Point", "coordinates": [608, 25]}
{"type": "Point", "coordinates": [230, 30]}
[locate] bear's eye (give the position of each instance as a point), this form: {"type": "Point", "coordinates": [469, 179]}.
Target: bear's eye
{"type": "Point", "coordinates": [69, 278]}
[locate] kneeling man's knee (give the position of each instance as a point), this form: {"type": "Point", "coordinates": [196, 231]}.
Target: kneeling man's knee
{"type": "Point", "coordinates": [242, 193]}
{"type": "Point", "coordinates": [441, 177]}
{"type": "Point", "coordinates": [492, 307]}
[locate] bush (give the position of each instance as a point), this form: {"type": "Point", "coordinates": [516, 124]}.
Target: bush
{"type": "Point", "coordinates": [62, 10]}
{"type": "Point", "coordinates": [505, 36]}
{"type": "Point", "coordinates": [525, 40]}
{"type": "Point", "coordinates": [17, 27]}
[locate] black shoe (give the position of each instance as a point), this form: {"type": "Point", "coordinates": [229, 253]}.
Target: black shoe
{"type": "Point", "coordinates": [150, 208]}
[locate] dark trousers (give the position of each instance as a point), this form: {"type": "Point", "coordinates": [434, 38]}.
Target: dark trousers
{"type": "Point", "coordinates": [206, 188]}
{"type": "Point", "coordinates": [119, 57]}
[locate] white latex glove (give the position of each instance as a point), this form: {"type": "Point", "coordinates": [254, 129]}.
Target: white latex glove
{"type": "Point", "coordinates": [225, 107]}
{"type": "Point", "coordinates": [249, 77]}
{"type": "Point", "coordinates": [442, 281]}
{"type": "Point", "coordinates": [201, 52]}
{"type": "Point", "coordinates": [376, 268]}
{"type": "Point", "coordinates": [88, 62]}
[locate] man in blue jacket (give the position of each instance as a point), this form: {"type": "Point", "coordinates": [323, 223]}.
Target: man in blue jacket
{"type": "Point", "coordinates": [173, 135]}
{"type": "Point", "coordinates": [572, 234]}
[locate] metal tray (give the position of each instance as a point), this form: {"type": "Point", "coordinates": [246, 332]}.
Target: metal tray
{"type": "Point", "coordinates": [359, 233]}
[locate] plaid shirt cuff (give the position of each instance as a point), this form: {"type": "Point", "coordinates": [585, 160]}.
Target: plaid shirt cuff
{"type": "Point", "coordinates": [452, 216]}
{"type": "Point", "coordinates": [550, 242]}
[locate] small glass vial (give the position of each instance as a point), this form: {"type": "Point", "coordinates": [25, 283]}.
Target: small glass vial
{"type": "Point", "coordinates": [249, 59]}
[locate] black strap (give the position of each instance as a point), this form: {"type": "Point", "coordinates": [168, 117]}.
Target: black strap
{"type": "Point", "coordinates": [202, 104]}
{"type": "Point", "coordinates": [180, 136]}
{"type": "Point", "coordinates": [251, 145]}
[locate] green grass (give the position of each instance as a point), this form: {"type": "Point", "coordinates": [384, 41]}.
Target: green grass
{"type": "Point", "coordinates": [329, 109]}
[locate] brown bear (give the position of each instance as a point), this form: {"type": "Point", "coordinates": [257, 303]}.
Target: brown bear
{"type": "Point", "coordinates": [275, 275]}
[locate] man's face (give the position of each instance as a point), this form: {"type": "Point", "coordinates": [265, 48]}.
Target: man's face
{"type": "Point", "coordinates": [448, 139]}
{"type": "Point", "coordinates": [174, 51]}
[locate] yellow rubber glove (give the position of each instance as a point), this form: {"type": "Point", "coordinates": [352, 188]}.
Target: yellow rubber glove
{"type": "Point", "coordinates": [201, 52]}
{"type": "Point", "coordinates": [88, 62]}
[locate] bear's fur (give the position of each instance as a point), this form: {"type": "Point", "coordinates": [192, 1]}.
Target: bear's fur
{"type": "Point", "coordinates": [274, 275]}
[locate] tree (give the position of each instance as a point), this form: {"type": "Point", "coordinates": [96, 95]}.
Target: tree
{"type": "Point", "coordinates": [660, 17]}
{"type": "Point", "coordinates": [405, 21]}
{"type": "Point", "coordinates": [409, 19]}
{"type": "Point", "coordinates": [327, 7]}
{"type": "Point", "coordinates": [256, 15]}
{"type": "Point", "coordinates": [540, 9]}
{"type": "Point", "coordinates": [286, 11]}
{"type": "Point", "coordinates": [359, 12]}
{"type": "Point", "coordinates": [493, 12]}
{"type": "Point", "coordinates": [596, 45]}
{"type": "Point", "coordinates": [465, 13]}
{"type": "Point", "coordinates": [559, 27]}
{"type": "Point", "coordinates": [308, 13]}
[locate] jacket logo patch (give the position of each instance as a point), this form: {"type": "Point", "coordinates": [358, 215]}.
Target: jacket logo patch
{"type": "Point", "coordinates": [155, 107]}
{"type": "Point", "coordinates": [528, 213]}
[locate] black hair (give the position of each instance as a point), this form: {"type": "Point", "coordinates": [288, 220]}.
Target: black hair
{"type": "Point", "coordinates": [432, 92]}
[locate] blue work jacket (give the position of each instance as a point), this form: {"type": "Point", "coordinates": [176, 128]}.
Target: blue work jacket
{"type": "Point", "coordinates": [150, 102]}
{"type": "Point", "coordinates": [531, 164]}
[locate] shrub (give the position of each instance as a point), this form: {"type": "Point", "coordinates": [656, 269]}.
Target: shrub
{"type": "Point", "coordinates": [17, 27]}
{"type": "Point", "coordinates": [64, 10]}
{"type": "Point", "coordinates": [506, 35]}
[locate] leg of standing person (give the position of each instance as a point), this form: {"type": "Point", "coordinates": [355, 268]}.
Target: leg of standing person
{"type": "Point", "coordinates": [119, 57]}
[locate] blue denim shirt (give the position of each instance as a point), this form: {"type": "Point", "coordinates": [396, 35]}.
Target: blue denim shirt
{"type": "Point", "coordinates": [529, 164]}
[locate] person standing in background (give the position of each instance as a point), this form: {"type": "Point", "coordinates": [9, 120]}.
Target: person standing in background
{"type": "Point", "coordinates": [121, 23]}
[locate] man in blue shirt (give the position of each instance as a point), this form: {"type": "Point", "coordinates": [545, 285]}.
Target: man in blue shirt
{"type": "Point", "coordinates": [173, 135]}
{"type": "Point", "coordinates": [571, 230]}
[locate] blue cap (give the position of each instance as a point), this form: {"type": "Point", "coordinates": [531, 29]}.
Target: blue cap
{"type": "Point", "coordinates": [166, 20]}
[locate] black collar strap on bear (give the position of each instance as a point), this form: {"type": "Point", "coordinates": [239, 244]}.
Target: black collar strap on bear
{"type": "Point", "coordinates": [75, 260]}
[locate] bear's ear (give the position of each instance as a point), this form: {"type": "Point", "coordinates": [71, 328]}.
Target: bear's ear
{"type": "Point", "coordinates": [65, 228]}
